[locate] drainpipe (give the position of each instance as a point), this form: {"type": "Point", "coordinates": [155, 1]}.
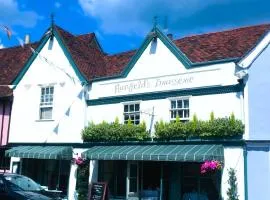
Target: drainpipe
{"type": "Point", "coordinates": [245, 171]}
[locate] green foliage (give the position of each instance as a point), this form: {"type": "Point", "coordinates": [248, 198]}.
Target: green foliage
{"type": "Point", "coordinates": [214, 128]}
{"type": "Point", "coordinates": [212, 116]}
{"type": "Point", "coordinates": [115, 132]}
{"type": "Point", "coordinates": [82, 181]}
{"type": "Point", "coordinates": [232, 190]}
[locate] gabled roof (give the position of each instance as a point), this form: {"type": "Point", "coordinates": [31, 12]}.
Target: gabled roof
{"type": "Point", "coordinates": [92, 63]}
{"type": "Point", "coordinates": [88, 58]}
{"type": "Point", "coordinates": [197, 50]}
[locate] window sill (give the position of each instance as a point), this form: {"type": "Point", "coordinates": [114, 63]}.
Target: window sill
{"type": "Point", "coordinates": [44, 120]}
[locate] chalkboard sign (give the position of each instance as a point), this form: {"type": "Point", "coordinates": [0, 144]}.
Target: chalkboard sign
{"type": "Point", "coordinates": [98, 191]}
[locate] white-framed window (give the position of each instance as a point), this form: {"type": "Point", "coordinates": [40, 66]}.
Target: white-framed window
{"type": "Point", "coordinates": [46, 103]}
{"type": "Point", "coordinates": [132, 112]}
{"type": "Point", "coordinates": [180, 107]}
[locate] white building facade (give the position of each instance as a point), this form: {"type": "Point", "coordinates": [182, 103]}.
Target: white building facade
{"type": "Point", "coordinates": [57, 94]}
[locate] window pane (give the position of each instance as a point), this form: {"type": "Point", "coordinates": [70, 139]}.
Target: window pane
{"type": "Point", "coordinates": [186, 103]}
{"type": "Point", "coordinates": [173, 104]}
{"type": "Point", "coordinates": [173, 114]}
{"type": "Point", "coordinates": [51, 90]}
{"type": "Point", "coordinates": [186, 113]}
{"type": "Point", "coordinates": [137, 107]}
{"type": "Point", "coordinates": [133, 170]}
{"type": "Point", "coordinates": [181, 113]}
{"type": "Point", "coordinates": [125, 108]}
{"type": "Point", "coordinates": [46, 113]}
{"type": "Point", "coordinates": [179, 104]}
{"type": "Point", "coordinates": [132, 117]}
{"type": "Point", "coordinates": [131, 108]}
{"type": "Point", "coordinates": [126, 117]}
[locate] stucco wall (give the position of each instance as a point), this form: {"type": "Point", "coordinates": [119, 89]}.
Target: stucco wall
{"type": "Point", "coordinates": [233, 158]}
{"type": "Point", "coordinates": [259, 97]}
{"type": "Point", "coordinates": [25, 123]}
{"type": "Point", "coordinates": [5, 110]}
{"type": "Point", "coordinates": [222, 105]}
{"type": "Point", "coordinates": [258, 168]}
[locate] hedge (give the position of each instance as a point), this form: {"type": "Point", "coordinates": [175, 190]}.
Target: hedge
{"type": "Point", "coordinates": [115, 132]}
{"type": "Point", "coordinates": [213, 128]}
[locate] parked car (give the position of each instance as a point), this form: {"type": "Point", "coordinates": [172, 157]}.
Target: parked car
{"type": "Point", "coordinates": [19, 187]}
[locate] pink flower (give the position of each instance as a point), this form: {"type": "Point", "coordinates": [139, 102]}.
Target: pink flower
{"type": "Point", "coordinates": [209, 166]}
{"type": "Point", "coordinates": [78, 161]}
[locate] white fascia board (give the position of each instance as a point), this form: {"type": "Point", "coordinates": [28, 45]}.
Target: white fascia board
{"type": "Point", "coordinates": [248, 59]}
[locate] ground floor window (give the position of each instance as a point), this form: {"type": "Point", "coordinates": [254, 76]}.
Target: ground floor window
{"type": "Point", "coordinates": [201, 184]}
{"type": "Point", "coordinates": [53, 174]}
{"type": "Point", "coordinates": [158, 180]}
{"type": "Point", "coordinates": [114, 173]}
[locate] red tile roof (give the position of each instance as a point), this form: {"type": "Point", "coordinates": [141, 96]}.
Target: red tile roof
{"type": "Point", "coordinates": [89, 59]}
{"type": "Point", "coordinates": [11, 62]}
{"type": "Point", "coordinates": [231, 44]}
{"type": "Point", "coordinates": [93, 63]}
{"type": "Point", "coordinates": [221, 45]}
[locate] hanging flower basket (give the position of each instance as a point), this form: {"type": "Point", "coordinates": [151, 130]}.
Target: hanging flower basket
{"type": "Point", "coordinates": [78, 161]}
{"type": "Point", "coordinates": [210, 166]}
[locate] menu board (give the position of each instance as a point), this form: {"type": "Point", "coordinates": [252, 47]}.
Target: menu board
{"type": "Point", "coordinates": [98, 191]}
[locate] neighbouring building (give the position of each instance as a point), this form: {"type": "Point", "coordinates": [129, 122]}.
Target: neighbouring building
{"type": "Point", "coordinates": [65, 82]}
{"type": "Point", "coordinates": [5, 111]}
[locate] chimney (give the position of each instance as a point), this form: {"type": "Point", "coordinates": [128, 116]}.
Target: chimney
{"type": "Point", "coordinates": [27, 39]}
{"type": "Point", "coordinates": [170, 35]}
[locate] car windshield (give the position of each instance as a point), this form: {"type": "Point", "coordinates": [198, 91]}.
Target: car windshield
{"type": "Point", "coordinates": [22, 182]}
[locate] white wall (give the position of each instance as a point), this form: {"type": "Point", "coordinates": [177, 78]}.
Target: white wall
{"type": "Point", "coordinates": [233, 158]}
{"type": "Point", "coordinates": [161, 65]}
{"type": "Point", "coordinates": [221, 104]}
{"type": "Point", "coordinates": [259, 97]}
{"type": "Point", "coordinates": [25, 124]}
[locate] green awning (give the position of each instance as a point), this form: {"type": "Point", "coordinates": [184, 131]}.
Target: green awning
{"type": "Point", "coordinates": [179, 152]}
{"type": "Point", "coordinates": [41, 152]}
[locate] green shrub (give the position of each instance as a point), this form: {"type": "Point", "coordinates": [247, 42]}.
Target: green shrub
{"type": "Point", "coordinates": [232, 191]}
{"type": "Point", "coordinates": [214, 128]}
{"type": "Point", "coordinates": [115, 132]}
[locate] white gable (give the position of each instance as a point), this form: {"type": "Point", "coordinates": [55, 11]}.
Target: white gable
{"type": "Point", "coordinates": [50, 67]}
{"type": "Point", "coordinates": [156, 60]}
{"type": "Point", "coordinates": [158, 69]}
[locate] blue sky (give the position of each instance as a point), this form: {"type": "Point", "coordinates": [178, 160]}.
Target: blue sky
{"type": "Point", "coordinates": [121, 25]}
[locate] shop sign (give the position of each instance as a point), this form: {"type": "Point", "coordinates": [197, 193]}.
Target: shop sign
{"type": "Point", "coordinates": [163, 83]}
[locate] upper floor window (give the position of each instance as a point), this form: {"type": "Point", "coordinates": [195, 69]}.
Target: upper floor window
{"type": "Point", "coordinates": [180, 107]}
{"type": "Point", "coordinates": [132, 112]}
{"type": "Point", "coordinates": [46, 103]}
